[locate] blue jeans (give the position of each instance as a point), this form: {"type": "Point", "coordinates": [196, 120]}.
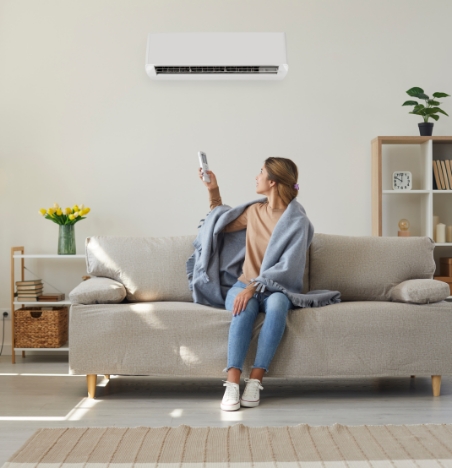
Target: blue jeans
{"type": "Point", "coordinates": [275, 306]}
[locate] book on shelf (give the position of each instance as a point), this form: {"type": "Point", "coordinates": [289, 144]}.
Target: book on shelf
{"type": "Point", "coordinates": [27, 298]}
{"type": "Point", "coordinates": [435, 173]}
{"type": "Point", "coordinates": [33, 287]}
{"type": "Point", "coordinates": [449, 171]}
{"type": "Point", "coordinates": [446, 177]}
{"type": "Point", "coordinates": [29, 294]}
{"type": "Point", "coordinates": [51, 297]}
{"type": "Point", "coordinates": [28, 282]}
{"type": "Point", "coordinates": [30, 291]}
{"type": "Point", "coordinates": [33, 292]}
{"type": "Point", "coordinates": [440, 173]}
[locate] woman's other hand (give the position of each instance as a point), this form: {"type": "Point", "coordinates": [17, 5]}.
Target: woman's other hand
{"type": "Point", "coordinates": [241, 301]}
{"type": "Point", "coordinates": [213, 180]}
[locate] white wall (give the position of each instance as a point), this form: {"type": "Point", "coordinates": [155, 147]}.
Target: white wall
{"type": "Point", "coordinates": [80, 122]}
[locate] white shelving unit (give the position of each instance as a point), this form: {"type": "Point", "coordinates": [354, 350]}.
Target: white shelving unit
{"type": "Point", "coordinates": [419, 205]}
{"type": "Point", "coordinates": [18, 254]}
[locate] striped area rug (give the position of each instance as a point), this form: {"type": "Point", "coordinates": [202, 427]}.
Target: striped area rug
{"type": "Point", "coordinates": [238, 446]}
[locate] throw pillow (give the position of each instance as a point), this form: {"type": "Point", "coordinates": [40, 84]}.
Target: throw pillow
{"type": "Point", "coordinates": [420, 291]}
{"type": "Point", "coordinates": [98, 290]}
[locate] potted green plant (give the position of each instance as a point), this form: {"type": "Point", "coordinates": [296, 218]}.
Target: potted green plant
{"type": "Point", "coordinates": [430, 110]}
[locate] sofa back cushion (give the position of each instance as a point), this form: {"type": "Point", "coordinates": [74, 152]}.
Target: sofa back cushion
{"type": "Point", "coordinates": [367, 268]}
{"type": "Point", "coordinates": [150, 268]}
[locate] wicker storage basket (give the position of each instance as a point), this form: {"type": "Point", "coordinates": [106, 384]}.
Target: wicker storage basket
{"type": "Point", "coordinates": [38, 327]}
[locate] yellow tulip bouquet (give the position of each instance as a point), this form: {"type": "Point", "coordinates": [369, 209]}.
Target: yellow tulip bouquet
{"type": "Point", "coordinates": [66, 218]}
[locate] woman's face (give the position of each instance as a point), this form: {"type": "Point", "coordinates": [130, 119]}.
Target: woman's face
{"type": "Point", "coordinates": [263, 185]}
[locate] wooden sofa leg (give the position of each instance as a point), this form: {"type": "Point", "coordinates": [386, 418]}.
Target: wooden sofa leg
{"type": "Point", "coordinates": [91, 381]}
{"type": "Point", "coordinates": [436, 384]}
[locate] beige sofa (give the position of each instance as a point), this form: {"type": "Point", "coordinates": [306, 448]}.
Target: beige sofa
{"type": "Point", "coordinates": [136, 315]}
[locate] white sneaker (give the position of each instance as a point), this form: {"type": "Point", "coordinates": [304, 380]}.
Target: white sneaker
{"type": "Point", "coordinates": [250, 397]}
{"type": "Point", "coordinates": [231, 399]}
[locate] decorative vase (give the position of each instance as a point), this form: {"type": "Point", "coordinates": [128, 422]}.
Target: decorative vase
{"type": "Point", "coordinates": [66, 239]}
{"type": "Point", "coordinates": [425, 128]}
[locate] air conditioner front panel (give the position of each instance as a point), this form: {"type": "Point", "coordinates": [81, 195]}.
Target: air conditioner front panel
{"type": "Point", "coordinates": [216, 56]}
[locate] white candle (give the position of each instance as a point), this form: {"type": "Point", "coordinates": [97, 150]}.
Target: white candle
{"type": "Point", "coordinates": [440, 233]}
{"type": "Point", "coordinates": [435, 223]}
{"type": "Point", "coordinates": [449, 234]}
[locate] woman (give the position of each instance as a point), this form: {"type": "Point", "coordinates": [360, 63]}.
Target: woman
{"type": "Point", "coordinates": [277, 180]}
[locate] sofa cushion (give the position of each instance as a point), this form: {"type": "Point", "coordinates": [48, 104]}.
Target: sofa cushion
{"type": "Point", "coordinates": [150, 268]}
{"type": "Point", "coordinates": [420, 291]}
{"type": "Point", "coordinates": [98, 291]}
{"type": "Point", "coordinates": [349, 339]}
{"type": "Point", "coordinates": [367, 268]}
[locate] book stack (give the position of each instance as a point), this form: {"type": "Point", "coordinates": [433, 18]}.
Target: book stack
{"type": "Point", "coordinates": [29, 291]}
{"type": "Point", "coordinates": [50, 298]}
{"type": "Point", "coordinates": [442, 174]}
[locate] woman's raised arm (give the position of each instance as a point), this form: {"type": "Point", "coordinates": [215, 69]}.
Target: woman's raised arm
{"type": "Point", "coordinates": [212, 187]}
{"type": "Point", "coordinates": [215, 200]}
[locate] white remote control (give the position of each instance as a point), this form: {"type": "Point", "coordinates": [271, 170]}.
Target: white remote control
{"type": "Point", "coordinates": [203, 164]}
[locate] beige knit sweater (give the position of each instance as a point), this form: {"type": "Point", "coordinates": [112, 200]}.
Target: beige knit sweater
{"type": "Point", "coordinates": [259, 220]}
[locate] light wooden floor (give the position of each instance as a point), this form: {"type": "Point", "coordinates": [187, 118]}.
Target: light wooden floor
{"type": "Point", "coordinates": [37, 392]}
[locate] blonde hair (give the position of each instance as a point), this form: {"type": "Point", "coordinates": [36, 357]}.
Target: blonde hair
{"type": "Point", "coordinates": [285, 173]}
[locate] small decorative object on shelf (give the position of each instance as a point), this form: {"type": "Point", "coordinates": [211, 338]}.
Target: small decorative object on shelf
{"type": "Point", "coordinates": [51, 297]}
{"type": "Point", "coordinates": [402, 180]}
{"type": "Point", "coordinates": [449, 234]}
{"type": "Point", "coordinates": [65, 218]}
{"type": "Point", "coordinates": [440, 233]}
{"type": "Point", "coordinates": [430, 110]}
{"type": "Point", "coordinates": [435, 223]}
{"type": "Point", "coordinates": [404, 225]}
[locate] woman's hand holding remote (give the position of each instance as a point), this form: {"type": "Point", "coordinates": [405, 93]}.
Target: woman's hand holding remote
{"type": "Point", "coordinates": [213, 180]}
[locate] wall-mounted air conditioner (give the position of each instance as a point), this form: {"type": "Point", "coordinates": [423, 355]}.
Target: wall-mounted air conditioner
{"type": "Point", "coordinates": [216, 56]}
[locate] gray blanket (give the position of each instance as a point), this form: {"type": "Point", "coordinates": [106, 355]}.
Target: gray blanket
{"type": "Point", "coordinates": [218, 258]}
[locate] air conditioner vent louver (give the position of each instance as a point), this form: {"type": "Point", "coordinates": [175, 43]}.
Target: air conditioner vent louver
{"type": "Point", "coordinates": [236, 70]}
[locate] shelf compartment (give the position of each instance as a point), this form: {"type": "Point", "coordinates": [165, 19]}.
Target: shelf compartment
{"type": "Point", "coordinates": [444, 251]}
{"type": "Point", "coordinates": [442, 204]}
{"type": "Point", "coordinates": [441, 151]}
{"type": "Point", "coordinates": [409, 157]}
{"type": "Point", "coordinates": [71, 270]}
{"type": "Point", "coordinates": [412, 206]}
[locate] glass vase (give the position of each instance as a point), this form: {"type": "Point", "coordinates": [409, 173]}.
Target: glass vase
{"type": "Point", "coordinates": [66, 239]}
